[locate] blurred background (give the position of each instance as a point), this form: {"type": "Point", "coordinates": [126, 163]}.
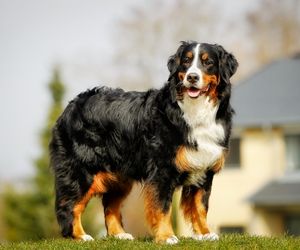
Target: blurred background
{"type": "Point", "coordinates": [54, 49]}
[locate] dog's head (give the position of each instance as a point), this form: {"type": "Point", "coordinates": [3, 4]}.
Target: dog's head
{"type": "Point", "coordinates": [200, 69]}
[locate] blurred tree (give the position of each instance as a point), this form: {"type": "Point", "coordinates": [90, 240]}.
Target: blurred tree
{"type": "Point", "coordinates": [43, 180]}
{"type": "Point", "coordinates": [30, 214]}
{"type": "Point", "coordinates": [275, 28]}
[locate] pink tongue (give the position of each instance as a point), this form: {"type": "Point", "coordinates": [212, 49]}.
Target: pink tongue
{"type": "Point", "coordinates": [193, 92]}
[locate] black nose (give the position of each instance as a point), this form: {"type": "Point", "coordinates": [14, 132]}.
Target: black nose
{"type": "Point", "coordinates": [193, 77]}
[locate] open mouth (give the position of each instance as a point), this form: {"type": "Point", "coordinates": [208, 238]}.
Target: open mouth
{"type": "Point", "coordinates": [195, 92]}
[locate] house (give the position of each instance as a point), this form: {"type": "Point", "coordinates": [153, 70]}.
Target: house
{"type": "Point", "coordinates": [258, 192]}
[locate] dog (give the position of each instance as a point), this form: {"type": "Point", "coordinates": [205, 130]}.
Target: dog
{"type": "Point", "coordinates": [177, 136]}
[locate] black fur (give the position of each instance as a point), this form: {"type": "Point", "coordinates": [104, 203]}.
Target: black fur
{"type": "Point", "coordinates": [134, 134]}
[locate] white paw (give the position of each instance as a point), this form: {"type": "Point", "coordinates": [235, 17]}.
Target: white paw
{"type": "Point", "coordinates": [209, 236]}
{"type": "Point", "coordinates": [172, 240]}
{"type": "Point", "coordinates": [86, 237]}
{"type": "Point", "coordinates": [197, 236]}
{"type": "Point", "coordinates": [124, 236]}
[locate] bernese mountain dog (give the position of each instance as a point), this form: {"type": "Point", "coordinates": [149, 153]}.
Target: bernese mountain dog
{"type": "Point", "coordinates": [177, 136]}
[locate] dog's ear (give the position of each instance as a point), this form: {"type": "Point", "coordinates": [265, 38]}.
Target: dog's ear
{"type": "Point", "coordinates": [173, 64]}
{"type": "Point", "coordinates": [227, 63]}
{"type": "Point", "coordinates": [174, 60]}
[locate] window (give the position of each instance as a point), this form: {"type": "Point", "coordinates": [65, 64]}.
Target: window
{"type": "Point", "coordinates": [232, 229]}
{"type": "Point", "coordinates": [292, 152]}
{"type": "Point", "coordinates": [233, 159]}
{"type": "Point", "coordinates": [292, 225]}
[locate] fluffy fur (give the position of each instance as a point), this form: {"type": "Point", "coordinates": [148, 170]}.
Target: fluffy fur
{"type": "Point", "coordinates": [175, 136]}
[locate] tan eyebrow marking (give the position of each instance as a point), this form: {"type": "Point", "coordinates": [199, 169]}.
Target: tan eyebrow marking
{"type": "Point", "coordinates": [204, 56]}
{"type": "Point", "coordinates": [189, 54]}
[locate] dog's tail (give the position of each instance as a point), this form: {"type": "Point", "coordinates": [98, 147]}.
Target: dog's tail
{"type": "Point", "coordinates": [64, 213]}
{"type": "Point", "coordinates": [66, 190]}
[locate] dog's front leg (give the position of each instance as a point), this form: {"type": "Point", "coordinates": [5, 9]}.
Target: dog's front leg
{"type": "Point", "coordinates": [194, 202]}
{"type": "Point", "coordinates": [158, 213]}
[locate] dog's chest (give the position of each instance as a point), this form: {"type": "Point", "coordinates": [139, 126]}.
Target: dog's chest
{"type": "Point", "coordinates": [205, 133]}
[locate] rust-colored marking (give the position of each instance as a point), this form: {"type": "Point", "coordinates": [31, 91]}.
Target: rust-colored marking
{"type": "Point", "coordinates": [200, 223]}
{"type": "Point", "coordinates": [98, 187]}
{"type": "Point", "coordinates": [183, 165]}
{"type": "Point", "coordinates": [77, 226]}
{"type": "Point", "coordinates": [77, 211]}
{"type": "Point", "coordinates": [159, 221]}
{"type": "Point", "coordinates": [212, 81]}
{"type": "Point", "coordinates": [189, 54]}
{"type": "Point", "coordinates": [181, 161]}
{"type": "Point", "coordinates": [204, 56]}
{"type": "Point", "coordinates": [102, 181]}
{"type": "Point", "coordinates": [194, 210]}
{"type": "Point", "coordinates": [181, 75]}
{"type": "Point", "coordinates": [219, 163]}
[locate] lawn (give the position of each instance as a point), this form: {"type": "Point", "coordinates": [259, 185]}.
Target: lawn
{"type": "Point", "coordinates": [226, 242]}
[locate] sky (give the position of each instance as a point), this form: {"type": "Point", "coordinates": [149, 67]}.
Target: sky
{"type": "Point", "coordinates": [35, 36]}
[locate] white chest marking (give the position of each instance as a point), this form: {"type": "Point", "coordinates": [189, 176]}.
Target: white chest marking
{"type": "Point", "coordinates": [200, 115]}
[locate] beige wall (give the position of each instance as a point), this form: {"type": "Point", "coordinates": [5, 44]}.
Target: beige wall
{"type": "Point", "coordinates": [266, 223]}
{"type": "Point", "coordinates": [133, 213]}
{"type": "Point", "coordinates": [262, 159]}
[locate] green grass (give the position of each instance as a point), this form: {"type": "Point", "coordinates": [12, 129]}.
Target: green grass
{"type": "Point", "coordinates": [226, 242]}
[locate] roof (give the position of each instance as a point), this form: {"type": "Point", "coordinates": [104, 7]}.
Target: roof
{"type": "Point", "coordinates": [282, 192]}
{"type": "Point", "coordinates": [269, 97]}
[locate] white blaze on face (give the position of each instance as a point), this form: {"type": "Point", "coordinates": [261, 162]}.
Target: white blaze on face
{"type": "Point", "coordinates": [194, 69]}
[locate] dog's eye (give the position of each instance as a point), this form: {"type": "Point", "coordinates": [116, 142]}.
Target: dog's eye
{"type": "Point", "coordinates": [208, 62]}
{"type": "Point", "coordinates": [186, 60]}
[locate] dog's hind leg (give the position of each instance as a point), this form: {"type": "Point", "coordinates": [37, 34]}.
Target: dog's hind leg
{"type": "Point", "coordinates": [112, 201]}
{"type": "Point", "coordinates": [69, 207]}
{"type": "Point", "coordinates": [78, 231]}
{"type": "Point", "coordinates": [99, 186]}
